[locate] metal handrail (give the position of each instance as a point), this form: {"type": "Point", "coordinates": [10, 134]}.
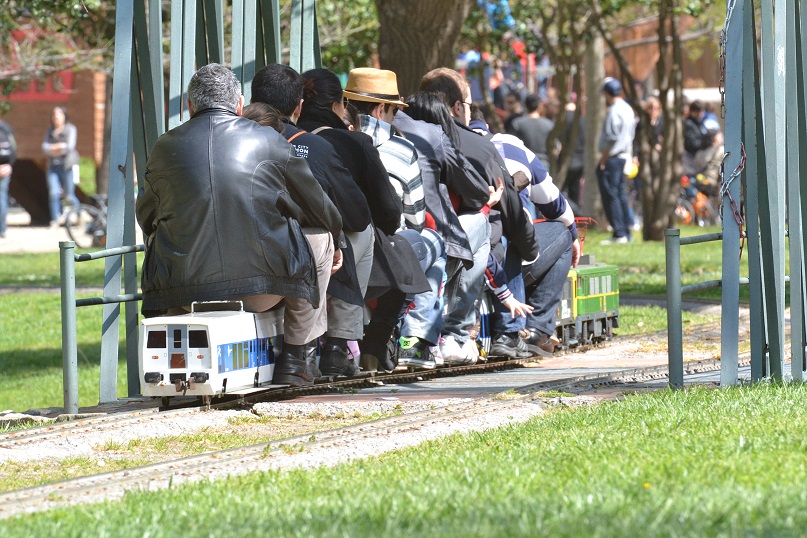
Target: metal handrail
{"type": "Point", "coordinates": [67, 269]}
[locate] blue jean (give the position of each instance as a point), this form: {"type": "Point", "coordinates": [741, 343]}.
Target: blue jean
{"type": "Point", "coordinates": [4, 181]}
{"type": "Point", "coordinates": [425, 319]}
{"type": "Point", "coordinates": [615, 196]}
{"type": "Point", "coordinates": [543, 279]}
{"type": "Point", "coordinates": [60, 180]}
{"type": "Point", "coordinates": [500, 320]}
{"type": "Point", "coordinates": [465, 285]}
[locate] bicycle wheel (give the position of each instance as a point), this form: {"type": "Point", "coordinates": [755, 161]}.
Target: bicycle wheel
{"type": "Point", "coordinates": [684, 213]}
{"type": "Point", "coordinates": [85, 225]}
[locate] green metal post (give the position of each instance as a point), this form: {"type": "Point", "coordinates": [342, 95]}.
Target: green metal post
{"type": "Point", "coordinates": [250, 37]}
{"type": "Point", "coordinates": [675, 345]}
{"type": "Point", "coordinates": [238, 39]}
{"type": "Point", "coordinates": [214, 19]}
{"type": "Point", "coordinates": [175, 89]}
{"type": "Point", "coordinates": [67, 269]}
{"type": "Point", "coordinates": [729, 357]}
{"type": "Point", "coordinates": [156, 89]}
{"type": "Point", "coordinates": [270, 15]}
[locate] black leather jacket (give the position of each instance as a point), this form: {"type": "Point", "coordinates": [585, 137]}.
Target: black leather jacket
{"type": "Point", "coordinates": [223, 208]}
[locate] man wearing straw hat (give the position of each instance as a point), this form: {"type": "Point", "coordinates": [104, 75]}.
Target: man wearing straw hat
{"type": "Point", "coordinates": [374, 95]}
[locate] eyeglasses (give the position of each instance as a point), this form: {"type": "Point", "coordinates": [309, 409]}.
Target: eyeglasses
{"type": "Point", "coordinates": [345, 101]}
{"type": "Point", "coordinates": [467, 103]}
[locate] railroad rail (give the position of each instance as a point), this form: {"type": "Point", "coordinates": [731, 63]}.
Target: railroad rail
{"type": "Point", "coordinates": [163, 474]}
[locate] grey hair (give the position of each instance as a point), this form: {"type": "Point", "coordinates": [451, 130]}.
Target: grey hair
{"type": "Point", "coordinates": [214, 85]}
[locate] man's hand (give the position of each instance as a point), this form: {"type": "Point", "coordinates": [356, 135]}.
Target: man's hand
{"type": "Point", "coordinates": [5, 170]}
{"type": "Point", "coordinates": [337, 260]}
{"type": "Point", "coordinates": [576, 252]}
{"type": "Point", "coordinates": [517, 308]}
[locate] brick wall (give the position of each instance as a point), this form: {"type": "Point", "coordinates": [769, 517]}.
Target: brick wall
{"type": "Point", "coordinates": [30, 117]}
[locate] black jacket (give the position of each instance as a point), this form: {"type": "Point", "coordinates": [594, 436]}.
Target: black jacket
{"type": "Point", "coordinates": [223, 208]}
{"type": "Point", "coordinates": [443, 170]}
{"type": "Point", "coordinates": [516, 223]}
{"type": "Point", "coordinates": [338, 184]}
{"type": "Point", "coordinates": [395, 265]}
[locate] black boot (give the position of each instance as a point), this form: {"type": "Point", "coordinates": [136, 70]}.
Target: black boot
{"type": "Point", "coordinates": [291, 367]}
{"type": "Point", "coordinates": [311, 359]}
{"type": "Point", "coordinates": [333, 362]}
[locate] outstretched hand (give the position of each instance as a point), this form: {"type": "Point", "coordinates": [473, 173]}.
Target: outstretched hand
{"type": "Point", "coordinates": [517, 308]}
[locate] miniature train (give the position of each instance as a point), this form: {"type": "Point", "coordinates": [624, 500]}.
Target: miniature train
{"type": "Point", "coordinates": [588, 311]}
{"type": "Point", "coordinates": [211, 353]}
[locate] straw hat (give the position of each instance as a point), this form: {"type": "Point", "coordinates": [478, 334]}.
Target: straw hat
{"type": "Point", "coordinates": [373, 85]}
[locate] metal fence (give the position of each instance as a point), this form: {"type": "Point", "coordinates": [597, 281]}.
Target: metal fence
{"type": "Point", "coordinates": [766, 154]}
{"type": "Point", "coordinates": [142, 110]}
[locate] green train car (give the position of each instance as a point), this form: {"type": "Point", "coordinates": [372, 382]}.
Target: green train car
{"type": "Point", "coordinates": [589, 309]}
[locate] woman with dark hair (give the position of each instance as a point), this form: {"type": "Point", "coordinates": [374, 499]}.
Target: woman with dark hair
{"type": "Point", "coordinates": [60, 148]}
{"type": "Point", "coordinates": [264, 114]}
{"type": "Point", "coordinates": [429, 107]}
{"type": "Point", "coordinates": [384, 261]}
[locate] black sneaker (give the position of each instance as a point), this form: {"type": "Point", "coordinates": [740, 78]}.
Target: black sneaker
{"type": "Point", "coordinates": [540, 343]}
{"type": "Point", "coordinates": [509, 345]}
{"type": "Point", "coordinates": [292, 370]}
{"type": "Point", "coordinates": [333, 362]}
{"type": "Point", "coordinates": [415, 352]}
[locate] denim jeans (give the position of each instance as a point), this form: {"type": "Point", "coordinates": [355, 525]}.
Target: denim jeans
{"type": "Point", "coordinates": [60, 180]}
{"type": "Point", "coordinates": [543, 279]}
{"type": "Point", "coordinates": [500, 320]}
{"type": "Point", "coordinates": [465, 285]}
{"type": "Point", "coordinates": [4, 181]}
{"type": "Point", "coordinates": [425, 319]}
{"type": "Point", "coordinates": [614, 196]}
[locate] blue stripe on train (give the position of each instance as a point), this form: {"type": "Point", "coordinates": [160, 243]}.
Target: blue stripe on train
{"type": "Point", "coordinates": [247, 354]}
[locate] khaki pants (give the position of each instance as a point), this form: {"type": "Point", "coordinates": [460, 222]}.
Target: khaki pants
{"type": "Point", "coordinates": [346, 320]}
{"type": "Point", "coordinates": [301, 321]}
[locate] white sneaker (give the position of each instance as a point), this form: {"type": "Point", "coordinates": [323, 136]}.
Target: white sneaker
{"type": "Point", "coordinates": [471, 349]}
{"type": "Point", "coordinates": [454, 353]}
{"type": "Point", "coordinates": [437, 355]}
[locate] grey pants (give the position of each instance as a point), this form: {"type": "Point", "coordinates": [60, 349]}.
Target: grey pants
{"type": "Point", "coordinates": [301, 321]}
{"type": "Point", "coordinates": [346, 320]}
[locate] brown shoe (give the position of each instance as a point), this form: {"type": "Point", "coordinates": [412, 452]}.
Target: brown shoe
{"type": "Point", "coordinates": [540, 343]}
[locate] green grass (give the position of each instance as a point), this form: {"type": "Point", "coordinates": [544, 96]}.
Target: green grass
{"type": "Point", "coordinates": [30, 352]}
{"type": "Point", "coordinates": [643, 264]}
{"type": "Point", "coordinates": [42, 269]}
{"type": "Point", "coordinates": [87, 175]}
{"type": "Point", "coordinates": [635, 320]}
{"type": "Point", "coordinates": [697, 463]}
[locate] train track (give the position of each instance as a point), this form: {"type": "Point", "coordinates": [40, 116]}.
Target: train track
{"type": "Point", "coordinates": [223, 462]}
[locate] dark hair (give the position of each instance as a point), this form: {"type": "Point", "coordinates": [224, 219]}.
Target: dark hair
{"type": "Point", "coordinates": [696, 106]}
{"type": "Point", "coordinates": [352, 116]}
{"type": "Point", "coordinates": [445, 81]}
{"type": "Point", "coordinates": [278, 85]}
{"type": "Point", "coordinates": [430, 107]}
{"type": "Point", "coordinates": [64, 113]}
{"type": "Point", "coordinates": [477, 114]}
{"type": "Point", "coordinates": [532, 101]}
{"type": "Point", "coordinates": [321, 88]}
{"type": "Point", "coordinates": [265, 115]}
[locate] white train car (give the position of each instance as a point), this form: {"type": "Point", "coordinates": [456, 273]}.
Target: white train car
{"type": "Point", "coordinates": [207, 354]}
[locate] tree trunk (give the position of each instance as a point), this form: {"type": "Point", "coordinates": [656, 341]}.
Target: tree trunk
{"type": "Point", "coordinates": [595, 114]}
{"type": "Point", "coordinates": [416, 36]}
{"type": "Point", "coordinates": [661, 191]}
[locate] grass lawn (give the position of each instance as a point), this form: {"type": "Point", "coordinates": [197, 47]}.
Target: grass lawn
{"type": "Point", "coordinates": [31, 356]}
{"type": "Point", "coordinates": [697, 463]}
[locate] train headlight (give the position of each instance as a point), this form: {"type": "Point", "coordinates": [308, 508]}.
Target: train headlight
{"type": "Point", "coordinates": [153, 377]}
{"type": "Point", "coordinates": [200, 377]}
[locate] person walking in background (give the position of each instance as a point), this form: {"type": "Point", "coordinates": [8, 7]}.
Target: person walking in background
{"type": "Point", "coordinates": [60, 148]}
{"type": "Point", "coordinates": [534, 128]}
{"type": "Point", "coordinates": [616, 143]}
{"type": "Point", "coordinates": [8, 154]}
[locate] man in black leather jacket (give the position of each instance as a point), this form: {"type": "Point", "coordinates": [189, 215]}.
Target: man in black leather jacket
{"type": "Point", "coordinates": [230, 212]}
